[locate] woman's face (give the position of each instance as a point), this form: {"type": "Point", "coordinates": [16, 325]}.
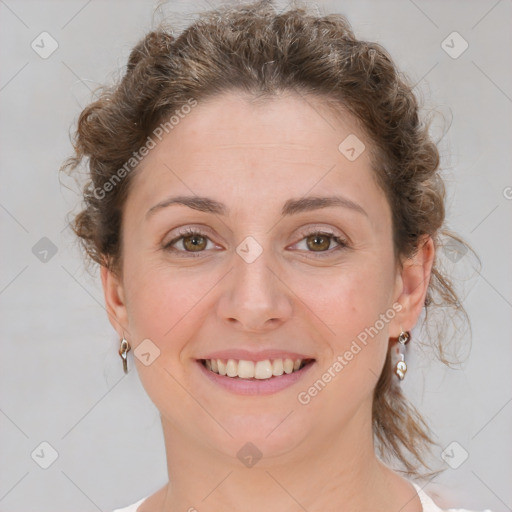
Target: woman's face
{"type": "Point", "coordinates": [264, 281]}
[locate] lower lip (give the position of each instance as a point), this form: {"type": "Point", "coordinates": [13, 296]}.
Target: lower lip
{"type": "Point", "coordinates": [255, 386]}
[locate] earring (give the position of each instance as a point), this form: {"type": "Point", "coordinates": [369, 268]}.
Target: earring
{"type": "Point", "coordinates": [123, 351]}
{"type": "Point", "coordinates": [401, 367]}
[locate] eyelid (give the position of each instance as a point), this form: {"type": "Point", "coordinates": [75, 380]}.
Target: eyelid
{"type": "Point", "coordinates": [311, 230]}
{"type": "Point", "coordinates": [338, 238]}
{"type": "Point", "coordinates": [184, 232]}
{"type": "Point", "coordinates": [191, 230]}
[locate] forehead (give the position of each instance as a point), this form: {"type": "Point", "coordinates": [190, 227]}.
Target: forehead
{"type": "Point", "coordinates": [232, 147]}
{"type": "Point", "coordinates": [288, 118]}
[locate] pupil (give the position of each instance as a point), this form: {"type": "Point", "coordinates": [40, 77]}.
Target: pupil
{"type": "Point", "coordinates": [318, 241]}
{"type": "Point", "coordinates": [194, 240]}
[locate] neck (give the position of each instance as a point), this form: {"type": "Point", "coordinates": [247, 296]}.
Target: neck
{"type": "Point", "coordinates": [340, 470]}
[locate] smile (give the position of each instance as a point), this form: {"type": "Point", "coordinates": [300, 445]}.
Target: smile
{"type": "Point", "coordinates": [246, 377]}
{"type": "Point", "coordinates": [261, 370]}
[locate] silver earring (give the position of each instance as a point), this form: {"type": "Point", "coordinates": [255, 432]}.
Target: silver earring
{"type": "Point", "coordinates": [123, 351]}
{"type": "Point", "coordinates": [401, 367]}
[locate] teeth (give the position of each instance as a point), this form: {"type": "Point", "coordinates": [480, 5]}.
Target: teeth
{"type": "Point", "coordinates": [277, 367]}
{"type": "Point", "coordinates": [288, 366]}
{"type": "Point", "coordinates": [245, 369]}
{"type": "Point", "coordinates": [221, 367]}
{"type": "Point", "coordinates": [231, 368]}
{"type": "Point", "coordinates": [261, 370]}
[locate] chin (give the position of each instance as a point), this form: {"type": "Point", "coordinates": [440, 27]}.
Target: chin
{"type": "Point", "coordinates": [266, 436]}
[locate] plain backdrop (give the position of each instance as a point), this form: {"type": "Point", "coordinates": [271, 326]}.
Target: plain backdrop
{"type": "Point", "coordinates": [61, 379]}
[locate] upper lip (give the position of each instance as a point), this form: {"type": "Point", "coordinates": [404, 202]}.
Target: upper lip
{"type": "Point", "coordinates": [248, 355]}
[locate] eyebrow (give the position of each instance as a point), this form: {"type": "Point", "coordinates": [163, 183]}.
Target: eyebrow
{"type": "Point", "coordinates": [290, 207]}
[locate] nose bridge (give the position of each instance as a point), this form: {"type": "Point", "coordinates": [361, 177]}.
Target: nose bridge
{"type": "Point", "coordinates": [252, 269]}
{"type": "Point", "coordinates": [253, 280]}
{"type": "Point", "coordinates": [256, 294]}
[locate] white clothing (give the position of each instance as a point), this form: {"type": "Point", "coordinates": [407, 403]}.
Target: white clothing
{"type": "Point", "coordinates": [426, 502]}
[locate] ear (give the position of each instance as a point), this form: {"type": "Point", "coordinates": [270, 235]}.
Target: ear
{"type": "Point", "coordinates": [114, 301]}
{"type": "Point", "coordinates": [412, 284]}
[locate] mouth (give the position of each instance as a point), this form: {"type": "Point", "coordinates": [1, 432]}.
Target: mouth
{"type": "Point", "coordinates": [268, 369]}
{"type": "Point", "coordinates": [246, 377]}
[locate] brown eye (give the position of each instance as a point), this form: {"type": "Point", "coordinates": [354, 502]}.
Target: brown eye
{"type": "Point", "coordinates": [319, 241]}
{"type": "Point", "coordinates": [188, 242]}
{"type": "Point", "coordinates": [194, 243]}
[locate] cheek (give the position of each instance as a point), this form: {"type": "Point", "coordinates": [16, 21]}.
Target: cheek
{"type": "Point", "coordinates": [165, 303]}
{"type": "Point", "coordinates": [157, 305]}
{"type": "Point", "coordinates": [352, 298]}
{"type": "Point", "coordinates": [354, 306]}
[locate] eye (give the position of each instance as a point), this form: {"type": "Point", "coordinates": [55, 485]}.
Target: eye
{"type": "Point", "coordinates": [192, 240]}
{"type": "Point", "coordinates": [322, 240]}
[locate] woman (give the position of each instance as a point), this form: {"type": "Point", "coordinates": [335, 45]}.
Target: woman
{"type": "Point", "coordinates": [265, 205]}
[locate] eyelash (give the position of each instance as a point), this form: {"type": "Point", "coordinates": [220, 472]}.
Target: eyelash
{"type": "Point", "coordinates": [189, 232]}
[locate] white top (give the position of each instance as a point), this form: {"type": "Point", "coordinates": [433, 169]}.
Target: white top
{"type": "Point", "coordinates": [426, 502]}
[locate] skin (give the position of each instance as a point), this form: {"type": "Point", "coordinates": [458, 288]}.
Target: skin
{"type": "Point", "coordinates": [246, 155]}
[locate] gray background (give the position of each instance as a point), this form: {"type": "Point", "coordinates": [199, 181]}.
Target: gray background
{"type": "Point", "coordinates": [61, 379]}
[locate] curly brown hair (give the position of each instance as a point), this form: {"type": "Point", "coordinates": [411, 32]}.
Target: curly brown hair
{"type": "Point", "coordinates": [254, 49]}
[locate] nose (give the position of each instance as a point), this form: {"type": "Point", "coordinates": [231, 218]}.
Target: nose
{"type": "Point", "coordinates": [255, 299]}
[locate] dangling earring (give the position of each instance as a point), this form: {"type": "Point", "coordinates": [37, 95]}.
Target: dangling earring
{"type": "Point", "coordinates": [401, 367]}
{"type": "Point", "coordinates": [123, 351]}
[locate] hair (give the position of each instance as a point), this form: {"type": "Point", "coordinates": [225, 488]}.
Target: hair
{"type": "Point", "coordinates": [251, 48]}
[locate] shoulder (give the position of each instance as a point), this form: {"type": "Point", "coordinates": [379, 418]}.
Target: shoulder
{"type": "Point", "coordinates": [152, 501]}
{"type": "Point", "coordinates": [463, 510]}
{"type": "Point", "coordinates": [429, 505]}
{"type": "Point", "coordinates": [131, 508]}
